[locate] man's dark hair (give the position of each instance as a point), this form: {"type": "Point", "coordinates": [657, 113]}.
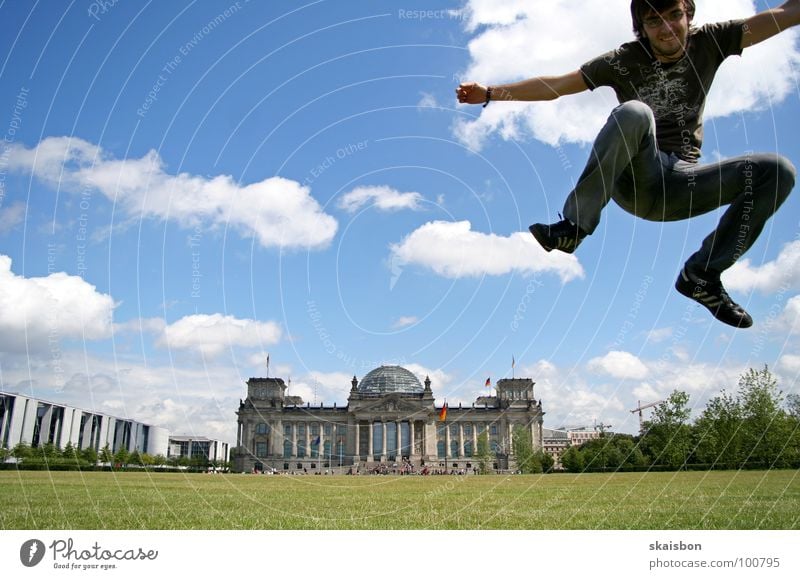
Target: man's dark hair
{"type": "Point", "coordinates": [641, 7]}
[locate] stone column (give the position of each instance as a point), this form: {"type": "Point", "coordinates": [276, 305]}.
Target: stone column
{"type": "Point", "coordinates": [461, 440]}
{"type": "Point", "coordinates": [383, 449]}
{"type": "Point", "coordinates": [357, 445]}
{"type": "Point", "coordinates": [474, 438]}
{"type": "Point", "coordinates": [294, 439]}
{"type": "Point", "coordinates": [276, 438]}
{"type": "Point", "coordinates": [399, 438]}
{"type": "Point", "coordinates": [371, 446]}
{"type": "Point", "coordinates": [447, 440]}
{"type": "Point", "coordinates": [411, 434]}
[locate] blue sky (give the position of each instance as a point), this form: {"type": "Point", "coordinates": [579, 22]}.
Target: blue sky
{"type": "Point", "coordinates": [188, 187]}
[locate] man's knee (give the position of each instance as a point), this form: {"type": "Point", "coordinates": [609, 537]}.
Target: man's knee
{"type": "Point", "coordinates": [634, 113]}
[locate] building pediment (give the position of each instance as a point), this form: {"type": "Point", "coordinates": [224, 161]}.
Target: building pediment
{"type": "Point", "coordinates": [391, 403]}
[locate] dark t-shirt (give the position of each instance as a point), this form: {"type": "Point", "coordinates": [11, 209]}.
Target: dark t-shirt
{"type": "Point", "coordinates": [675, 91]}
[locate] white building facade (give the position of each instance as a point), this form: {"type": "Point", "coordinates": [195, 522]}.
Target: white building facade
{"type": "Point", "coordinates": [36, 422]}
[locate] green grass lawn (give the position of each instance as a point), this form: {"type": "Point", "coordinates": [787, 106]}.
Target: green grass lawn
{"type": "Point", "coordinates": [685, 500]}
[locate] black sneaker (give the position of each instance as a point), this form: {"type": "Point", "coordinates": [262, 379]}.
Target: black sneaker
{"type": "Point", "coordinates": [564, 235]}
{"type": "Point", "coordinates": [711, 294]}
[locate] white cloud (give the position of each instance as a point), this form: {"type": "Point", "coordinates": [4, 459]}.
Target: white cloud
{"type": "Point", "coordinates": [619, 365]}
{"type": "Point", "coordinates": [789, 320]}
{"type": "Point", "coordinates": [11, 216]}
{"type": "Point", "coordinates": [659, 335]}
{"type": "Point", "coordinates": [405, 321]}
{"type": "Point", "coordinates": [382, 197]}
{"type": "Point", "coordinates": [453, 250]}
{"type": "Point", "coordinates": [277, 211]}
{"type": "Point", "coordinates": [37, 313]}
{"type": "Point", "coordinates": [518, 39]}
{"type": "Point", "coordinates": [774, 276]}
{"type": "Point", "coordinates": [214, 333]}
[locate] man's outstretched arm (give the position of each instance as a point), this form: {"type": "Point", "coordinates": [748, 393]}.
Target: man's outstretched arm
{"type": "Point", "coordinates": [770, 22]}
{"type": "Point", "coordinates": [541, 88]}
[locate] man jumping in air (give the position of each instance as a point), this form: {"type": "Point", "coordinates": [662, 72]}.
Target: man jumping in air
{"type": "Point", "coordinates": [645, 157]}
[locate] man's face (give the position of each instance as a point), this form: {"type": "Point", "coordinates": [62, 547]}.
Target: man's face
{"type": "Point", "coordinates": [667, 32]}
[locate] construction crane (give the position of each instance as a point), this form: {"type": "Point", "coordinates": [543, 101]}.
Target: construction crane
{"type": "Point", "coordinates": [640, 408]}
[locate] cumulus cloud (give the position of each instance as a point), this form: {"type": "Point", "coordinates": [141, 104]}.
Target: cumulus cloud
{"type": "Point", "coordinates": [789, 320]}
{"type": "Point", "coordinates": [38, 312]}
{"type": "Point", "coordinates": [277, 211]}
{"type": "Point", "coordinates": [11, 216]}
{"type": "Point", "coordinates": [382, 197]}
{"type": "Point", "coordinates": [518, 39]}
{"type": "Point", "coordinates": [405, 321]}
{"type": "Point", "coordinates": [453, 250]}
{"type": "Point", "coordinates": [214, 333]}
{"type": "Point", "coordinates": [619, 365]}
{"type": "Point", "coordinates": [769, 278]}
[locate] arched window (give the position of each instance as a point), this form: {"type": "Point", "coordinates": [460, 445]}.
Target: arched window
{"type": "Point", "coordinates": [287, 449]}
{"type": "Point", "coordinates": [440, 448]}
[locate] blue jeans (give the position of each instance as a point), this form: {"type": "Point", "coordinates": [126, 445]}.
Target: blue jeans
{"type": "Point", "coordinates": [626, 165]}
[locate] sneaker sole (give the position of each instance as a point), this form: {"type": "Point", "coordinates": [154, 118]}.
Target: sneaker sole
{"type": "Point", "coordinates": [540, 236]}
{"type": "Point", "coordinates": [685, 287]}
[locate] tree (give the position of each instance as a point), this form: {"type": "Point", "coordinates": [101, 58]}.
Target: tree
{"type": "Point", "coordinates": [547, 461]}
{"type": "Point", "coordinates": [483, 456]}
{"type": "Point", "coordinates": [122, 456]}
{"type": "Point", "coordinates": [528, 461]}
{"type": "Point", "coordinates": [22, 451]}
{"type": "Point", "coordinates": [572, 460]}
{"type": "Point", "coordinates": [89, 454]}
{"type": "Point", "coordinates": [106, 456]}
{"type": "Point", "coordinates": [766, 427]}
{"type": "Point", "coordinates": [718, 432]}
{"type": "Point", "coordinates": [667, 436]}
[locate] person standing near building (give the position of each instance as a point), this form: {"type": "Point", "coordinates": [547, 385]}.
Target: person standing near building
{"type": "Point", "coordinates": [645, 158]}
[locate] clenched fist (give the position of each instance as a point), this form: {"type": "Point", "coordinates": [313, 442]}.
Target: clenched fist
{"type": "Point", "coordinates": [471, 93]}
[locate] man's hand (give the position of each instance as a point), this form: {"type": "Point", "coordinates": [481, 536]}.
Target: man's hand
{"type": "Point", "coordinates": [471, 93]}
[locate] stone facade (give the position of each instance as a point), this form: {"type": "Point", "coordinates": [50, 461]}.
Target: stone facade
{"type": "Point", "coordinates": [390, 421]}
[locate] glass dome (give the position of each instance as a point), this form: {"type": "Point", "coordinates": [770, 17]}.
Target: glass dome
{"type": "Point", "coordinates": [388, 379]}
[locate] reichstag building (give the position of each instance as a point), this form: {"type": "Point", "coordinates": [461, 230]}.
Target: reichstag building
{"type": "Point", "coordinates": [391, 421]}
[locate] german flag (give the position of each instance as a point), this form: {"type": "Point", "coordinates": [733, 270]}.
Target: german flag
{"type": "Point", "coordinates": [488, 383]}
{"type": "Point", "coordinates": [443, 413]}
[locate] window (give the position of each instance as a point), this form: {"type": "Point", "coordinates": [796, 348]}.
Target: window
{"type": "Point", "coordinates": [287, 449]}
{"type": "Point", "coordinates": [467, 430]}
{"type": "Point", "coordinates": [261, 449]}
{"type": "Point", "coordinates": [301, 449]}
{"type": "Point", "coordinates": [493, 430]}
{"type": "Point", "coordinates": [328, 430]}
{"type": "Point", "coordinates": [453, 449]}
{"type": "Point", "coordinates": [468, 448]}
{"type": "Point", "coordinates": [261, 428]}
{"type": "Point", "coordinates": [440, 449]}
